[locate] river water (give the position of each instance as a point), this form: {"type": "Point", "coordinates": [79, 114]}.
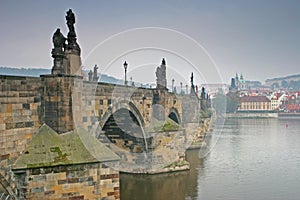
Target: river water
{"type": "Point", "coordinates": [253, 159]}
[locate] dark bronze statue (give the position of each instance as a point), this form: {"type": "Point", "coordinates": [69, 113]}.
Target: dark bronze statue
{"type": "Point", "coordinates": [192, 79]}
{"type": "Point", "coordinates": [70, 20]}
{"type": "Point", "coordinates": [95, 77]}
{"type": "Point", "coordinates": [58, 40]}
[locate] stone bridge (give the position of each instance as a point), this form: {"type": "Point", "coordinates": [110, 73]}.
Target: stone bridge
{"type": "Point", "coordinates": [145, 127]}
{"type": "Point", "coordinates": [126, 117]}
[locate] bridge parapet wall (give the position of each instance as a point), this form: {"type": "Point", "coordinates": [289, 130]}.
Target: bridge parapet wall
{"type": "Point", "coordinates": [99, 100]}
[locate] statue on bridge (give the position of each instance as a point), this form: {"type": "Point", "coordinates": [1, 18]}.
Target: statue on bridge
{"type": "Point", "coordinates": [70, 21]}
{"type": "Point", "coordinates": [192, 80]}
{"type": "Point", "coordinates": [90, 75]}
{"type": "Point", "coordinates": [72, 44]}
{"type": "Point", "coordinates": [59, 41]}
{"type": "Point", "coordinates": [161, 80]}
{"type": "Point", "coordinates": [95, 77]}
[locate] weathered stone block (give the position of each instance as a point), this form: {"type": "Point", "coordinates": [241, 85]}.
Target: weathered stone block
{"type": "Point", "coordinates": [37, 190]}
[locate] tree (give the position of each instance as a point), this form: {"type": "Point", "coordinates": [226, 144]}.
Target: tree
{"type": "Point", "coordinates": [232, 102]}
{"type": "Point", "coordinates": [275, 85]}
{"type": "Point", "coordinates": [284, 84]}
{"type": "Point", "coordinates": [219, 102]}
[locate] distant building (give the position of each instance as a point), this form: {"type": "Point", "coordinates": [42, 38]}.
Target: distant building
{"type": "Point", "coordinates": [274, 103]}
{"type": "Point", "coordinates": [254, 103]}
{"type": "Point", "coordinates": [277, 100]}
{"type": "Point", "coordinates": [213, 88]}
{"type": "Point", "coordinates": [242, 83]}
{"type": "Point", "coordinates": [238, 84]}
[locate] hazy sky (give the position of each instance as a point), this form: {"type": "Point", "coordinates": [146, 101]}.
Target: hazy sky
{"type": "Point", "coordinates": [258, 38]}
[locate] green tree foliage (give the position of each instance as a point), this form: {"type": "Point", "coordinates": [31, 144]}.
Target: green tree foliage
{"type": "Point", "coordinates": [219, 102]}
{"type": "Point", "coordinates": [232, 102]}
{"type": "Point", "coordinates": [295, 85]}
{"type": "Point", "coordinates": [284, 84]}
{"type": "Point", "coordinates": [275, 85]}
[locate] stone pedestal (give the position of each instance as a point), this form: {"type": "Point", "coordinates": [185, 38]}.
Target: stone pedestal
{"type": "Point", "coordinates": [72, 63]}
{"type": "Point", "coordinates": [58, 66]}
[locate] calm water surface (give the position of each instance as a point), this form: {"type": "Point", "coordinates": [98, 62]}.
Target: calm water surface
{"type": "Point", "coordinates": [254, 159]}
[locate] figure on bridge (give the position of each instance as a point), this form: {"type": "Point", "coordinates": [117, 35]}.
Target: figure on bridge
{"type": "Point", "coordinates": [161, 80]}
{"type": "Point", "coordinates": [95, 77]}
{"type": "Point", "coordinates": [72, 44]}
{"type": "Point", "coordinates": [90, 75]}
{"type": "Point", "coordinates": [59, 41]}
{"type": "Point", "coordinates": [192, 80]}
{"type": "Point", "coordinates": [70, 20]}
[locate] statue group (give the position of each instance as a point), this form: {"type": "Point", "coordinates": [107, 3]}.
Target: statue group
{"type": "Point", "coordinates": [58, 39]}
{"type": "Point", "coordinates": [64, 46]}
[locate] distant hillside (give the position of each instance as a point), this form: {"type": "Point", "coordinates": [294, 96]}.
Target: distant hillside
{"type": "Point", "coordinates": [23, 71]}
{"type": "Point", "coordinates": [292, 82]}
{"type": "Point", "coordinates": [253, 84]}
{"type": "Point", "coordinates": [297, 76]}
{"type": "Point", "coordinates": [36, 72]}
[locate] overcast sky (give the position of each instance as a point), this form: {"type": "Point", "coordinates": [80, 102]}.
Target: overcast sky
{"type": "Point", "coordinates": [258, 38]}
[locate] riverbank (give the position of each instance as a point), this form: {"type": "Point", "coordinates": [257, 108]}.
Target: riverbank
{"type": "Point", "coordinates": [289, 115]}
{"type": "Point", "coordinates": [252, 115]}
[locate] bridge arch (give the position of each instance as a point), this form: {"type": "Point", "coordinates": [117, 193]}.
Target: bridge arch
{"type": "Point", "coordinates": [122, 125]}
{"type": "Point", "coordinates": [174, 115]}
{"type": "Point", "coordinates": [126, 105]}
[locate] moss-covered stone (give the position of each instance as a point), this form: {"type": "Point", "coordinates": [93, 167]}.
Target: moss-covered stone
{"type": "Point", "coordinates": [48, 148]}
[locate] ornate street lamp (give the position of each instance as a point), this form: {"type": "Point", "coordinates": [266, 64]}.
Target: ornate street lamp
{"type": "Point", "coordinates": [187, 89]}
{"type": "Point", "coordinates": [173, 85]}
{"type": "Point", "coordinates": [181, 88]}
{"type": "Point", "coordinates": [125, 68]}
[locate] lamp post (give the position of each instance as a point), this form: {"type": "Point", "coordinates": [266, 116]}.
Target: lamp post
{"type": "Point", "coordinates": [187, 90]}
{"type": "Point", "coordinates": [125, 68]}
{"type": "Point", "coordinates": [173, 85]}
{"type": "Point", "coordinates": [181, 88]}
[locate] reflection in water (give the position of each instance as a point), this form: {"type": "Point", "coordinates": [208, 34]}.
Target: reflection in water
{"type": "Point", "coordinates": [195, 173]}
{"type": "Point", "coordinates": [158, 187]}
{"type": "Point", "coordinates": [253, 159]}
{"type": "Point", "coordinates": [174, 186]}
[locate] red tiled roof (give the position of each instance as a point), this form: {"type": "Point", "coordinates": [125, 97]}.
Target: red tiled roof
{"type": "Point", "coordinates": [292, 107]}
{"type": "Point", "coordinates": [278, 95]}
{"type": "Point", "coordinates": [254, 99]}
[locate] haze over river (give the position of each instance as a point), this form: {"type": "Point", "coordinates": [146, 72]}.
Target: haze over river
{"type": "Point", "coordinates": [253, 159]}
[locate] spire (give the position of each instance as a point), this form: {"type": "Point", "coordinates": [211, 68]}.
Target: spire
{"type": "Point", "coordinates": [242, 77]}
{"type": "Point", "coordinates": [163, 62]}
{"type": "Point", "coordinates": [192, 80]}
